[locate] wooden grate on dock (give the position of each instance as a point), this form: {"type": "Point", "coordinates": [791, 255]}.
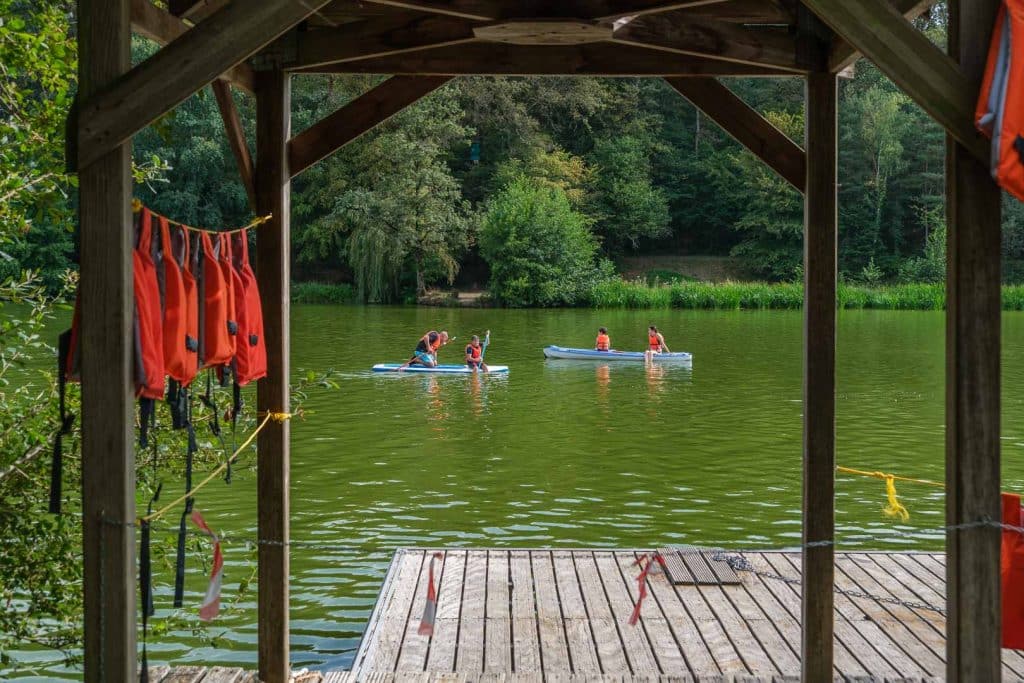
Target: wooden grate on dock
{"type": "Point", "coordinates": [702, 567]}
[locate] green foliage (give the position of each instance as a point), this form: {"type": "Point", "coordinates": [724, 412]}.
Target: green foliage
{"type": "Point", "coordinates": [322, 293]}
{"type": "Point", "coordinates": [540, 250]}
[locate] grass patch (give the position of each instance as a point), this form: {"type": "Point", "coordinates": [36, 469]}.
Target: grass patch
{"type": "Point", "coordinates": [322, 293]}
{"type": "Point", "coordinates": [762, 296]}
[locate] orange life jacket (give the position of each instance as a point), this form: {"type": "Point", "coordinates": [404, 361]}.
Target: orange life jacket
{"type": "Point", "coordinates": [250, 347]}
{"type": "Point", "coordinates": [217, 344]}
{"type": "Point", "coordinates": [474, 351]}
{"type": "Point", "coordinates": [999, 113]}
{"type": "Point", "coordinates": [1012, 574]}
{"type": "Point", "coordinates": [654, 342]}
{"type": "Point", "coordinates": [180, 319]}
{"type": "Point", "coordinates": [604, 342]}
{"type": "Point", "coordinates": [149, 342]}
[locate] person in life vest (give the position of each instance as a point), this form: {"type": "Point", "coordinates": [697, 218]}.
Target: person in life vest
{"type": "Point", "coordinates": [603, 342]}
{"type": "Point", "coordinates": [655, 344]}
{"type": "Point", "coordinates": [426, 349]}
{"type": "Point", "coordinates": [475, 355]}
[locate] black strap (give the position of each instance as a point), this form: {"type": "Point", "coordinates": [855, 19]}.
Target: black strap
{"type": "Point", "coordinates": [177, 401]}
{"type": "Point", "coordinates": [146, 585]}
{"type": "Point", "coordinates": [66, 422]}
{"type": "Point", "coordinates": [147, 419]}
{"type": "Point", "coordinates": [207, 400]}
{"type": "Point", "coordinates": [179, 564]}
{"type": "Point", "coordinates": [1018, 145]}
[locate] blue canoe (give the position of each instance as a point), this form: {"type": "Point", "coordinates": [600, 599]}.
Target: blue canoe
{"type": "Point", "coordinates": [591, 354]}
{"type": "Point", "coordinates": [440, 369]}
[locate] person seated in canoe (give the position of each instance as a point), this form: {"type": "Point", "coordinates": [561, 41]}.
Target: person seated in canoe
{"type": "Point", "coordinates": [655, 344]}
{"type": "Point", "coordinates": [475, 355]}
{"type": "Point", "coordinates": [603, 342]}
{"type": "Point", "coordinates": [426, 349]}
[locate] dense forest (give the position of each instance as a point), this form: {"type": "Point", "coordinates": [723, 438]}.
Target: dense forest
{"type": "Point", "coordinates": [530, 187]}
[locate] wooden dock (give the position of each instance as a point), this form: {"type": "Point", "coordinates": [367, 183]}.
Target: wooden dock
{"type": "Point", "coordinates": [554, 614]}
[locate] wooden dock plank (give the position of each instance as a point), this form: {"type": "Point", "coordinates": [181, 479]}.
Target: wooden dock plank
{"type": "Point", "coordinates": [498, 614]}
{"type": "Point", "coordinates": [442, 646]}
{"type": "Point", "coordinates": [638, 648]}
{"type": "Point", "coordinates": [663, 642]}
{"type": "Point", "coordinates": [610, 649]}
{"type": "Point", "coordinates": [525, 639]}
{"type": "Point", "coordinates": [470, 655]}
{"type": "Point", "coordinates": [554, 649]}
{"type": "Point", "coordinates": [381, 652]}
{"type": "Point", "coordinates": [412, 654]}
{"type": "Point", "coordinates": [576, 621]}
{"type": "Point", "coordinates": [185, 674]}
{"type": "Point", "coordinates": [223, 674]}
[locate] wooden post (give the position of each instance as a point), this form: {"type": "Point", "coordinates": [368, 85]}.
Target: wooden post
{"type": "Point", "coordinates": [108, 449]}
{"type": "Point", "coordinates": [819, 376]}
{"type": "Point", "coordinates": [972, 380]}
{"type": "Point", "coordinates": [273, 188]}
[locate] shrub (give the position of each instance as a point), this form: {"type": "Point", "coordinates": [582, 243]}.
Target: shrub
{"type": "Point", "coordinates": [322, 293]}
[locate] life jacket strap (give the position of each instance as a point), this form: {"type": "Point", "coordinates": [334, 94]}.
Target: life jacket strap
{"type": "Point", "coordinates": [146, 584]}
{"type": "Point", "coordinates": [67, 420]}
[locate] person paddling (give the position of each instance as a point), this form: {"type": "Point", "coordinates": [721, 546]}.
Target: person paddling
{"type": "Point", "coordinates": [603, 342]}
{"type": "Point", "coordinates": [655, 344]}
{"type": "Point", "coordinates": [475, 354]}
{"type": "Point", "coordinates": [426, 349]}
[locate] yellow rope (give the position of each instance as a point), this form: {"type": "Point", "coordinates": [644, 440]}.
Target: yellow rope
{"type": "Point", "coordinates": [279, 418]}
{"type": "Point", "coordinates": [259, 220]}
{"type": "Point", "coordinates": [894, 508]}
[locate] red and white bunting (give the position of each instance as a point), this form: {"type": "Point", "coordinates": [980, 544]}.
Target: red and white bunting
{"type": "Point", "coordinates": [648, 564]}
{"type": "Point", "coordinates": [211, 602]}
{"type": "Point", "coordinates": [430, 609]}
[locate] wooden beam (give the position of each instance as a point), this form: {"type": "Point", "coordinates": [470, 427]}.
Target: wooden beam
{"type": "Point", "coordinates": [710, 38]}
{"type": "Point", "coordinates": [844, 55]}
{"type": "Point", "coordinates": [910, 60]}
{"type": "Point", "coordinates": [770, 12]}
{"type": "Point", "coordinates": [162, 28]}
{"type": "Point", "coordinates": [493, 10]}
{"type": "Point", "coordinates": [819, 436]}
{"type": "Point", "coordinates": [378, 38]}
{"type": "Point", "coordinates": [500, 59]}
{"type": "Point", "coordinates": [357, 117]}
{"type": "Point", "coordinates": [108, 405]}
{"type": "Point", "coordinates": [195, 10]}
{"type": "Point", "coordinates": [273, 192]}
{"type": "Point", "coordinates": [746, 126]}
{"type": "Point", "coordinates": [973, 324]}
{"type": "Point", "coordinates": [156, 86]}
{"type": "Point", "coordinates": [236, 138]}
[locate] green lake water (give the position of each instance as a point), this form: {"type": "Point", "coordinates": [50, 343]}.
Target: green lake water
{"type": "Point", "coordinates": [576, 453]}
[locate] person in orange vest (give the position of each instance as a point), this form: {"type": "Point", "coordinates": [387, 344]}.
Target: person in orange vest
{"type": "Point", "coordinates": [426, 349]}
{"type": "Point", "coordinates": [655, 344]}
{"type": "Point", "coordinates": [604, 342]}
{"type": "Point", "coordinates": [475, 355]}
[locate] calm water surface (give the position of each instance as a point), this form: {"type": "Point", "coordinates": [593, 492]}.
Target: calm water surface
{"type": "Point", "coordinates": [571, 454]}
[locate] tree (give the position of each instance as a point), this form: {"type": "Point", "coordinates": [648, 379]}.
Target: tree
{"type": "Point", "coordinates": [540, 250]}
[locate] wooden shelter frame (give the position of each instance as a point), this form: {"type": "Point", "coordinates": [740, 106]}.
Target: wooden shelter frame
{"type": "Point", "coordinates": [255, 45]}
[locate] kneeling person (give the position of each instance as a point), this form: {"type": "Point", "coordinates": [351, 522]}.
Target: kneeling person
{"type": "Point", "coordinates": [426, 349]}
{"type": "Point", "coordinates": [475, 355]}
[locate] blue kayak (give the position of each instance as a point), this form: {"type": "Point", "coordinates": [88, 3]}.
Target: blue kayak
{"type": "Point", "coordinates": [591, 354]}
{"type": "Point", "coordinates": [439, 369]}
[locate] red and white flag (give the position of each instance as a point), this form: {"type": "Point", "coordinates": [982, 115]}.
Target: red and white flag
{"type": "Point", "coordinates": [649, 564]}
{"type": "Point", "coordinates": [211, 603]}
{"type": "Point", "coordinates": [430, 609]}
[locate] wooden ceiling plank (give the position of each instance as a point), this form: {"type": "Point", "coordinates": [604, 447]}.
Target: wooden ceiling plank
{"type": "Point", "coordinates": [773, 12]}
{"type": "Point", "coordinates": [477, 10]}
{"type": "Point", "coordinates": [704, 37]}
{"type": "Point", "coordinates": [843, 55]}
{"type": "Point", "coordinates": [357, 117]}
{"type": "Point", "coordinates": [162, 28]}
{"type": "Point", "coordinates": [500, 59]}
{"type": "Point", "coordinates": [746, 126]}
{"type": "Point", "coordinates": [185, 65]}
{"type": "Point", "coordinates": [194, 10]}
{"type": "Point", "coordinates": [904, 54]}
{"type": "Point", "coordinates": [378, 38]}
{"type": "Point", "coordinates": [495, 10]}
{"type": "Point", "coordinates": [236, 138]}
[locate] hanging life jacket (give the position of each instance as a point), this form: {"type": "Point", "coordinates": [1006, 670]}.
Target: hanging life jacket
{"type": "Point", "coordinates": [250, 347]}
{"type": "Point", "coordinates": [181, 317]}
{"type": "Point", "coordinates": [1012, 574]}
{"type": "Point", "coordinates": [217, 344]}
{"type": "Point", "coordinates": [999, 113]}
{"type": "Point", "coordinates": [603, 343]}
{"type": "Point", "coordinates": [148, 332]}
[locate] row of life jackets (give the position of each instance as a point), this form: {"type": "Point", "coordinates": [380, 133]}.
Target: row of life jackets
{"type": "Point", "coordinates": [999, 113]}
{"type": "Point", "coordinates": [197, 305]}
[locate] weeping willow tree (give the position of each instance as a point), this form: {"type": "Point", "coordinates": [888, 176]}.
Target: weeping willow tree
{"type": "Point", "coordinates": [389, 205]}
